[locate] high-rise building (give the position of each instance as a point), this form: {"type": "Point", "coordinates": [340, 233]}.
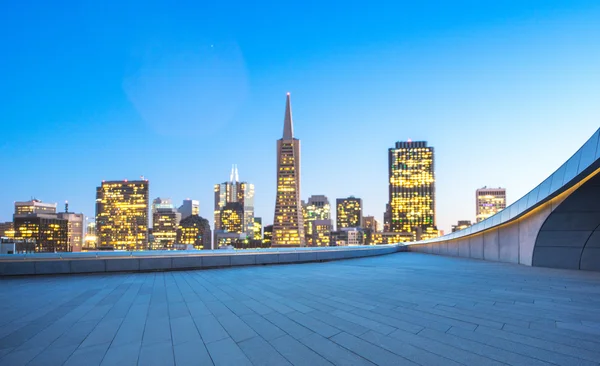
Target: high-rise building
{"type": "Point", "coordinates": [348, 212]}
{"type": "Point", "coordinates": [257, 229]}
{"type": "Point", "coordinates": [370, 223]}
{"type": "Point", "coordinates": [321, 232]}
{"type": "Point", "coordinates": [412, 189]}
{"type": "Point", "coordinates": [122, 214]}
{"type": "Point", "coordinates": [317, 208]}
{"type": "Point", "coordinates": [90, 239]}
{"type": "Point", "coordinates": [288, 225]}
{"type": "Point", "coordinates": [268, 236]}
{"type": "Point", "coordinates": [232, 218]}
{"type": "Point", "coordinates": [7, 230]}
{"type": "Point", "coordinates": [460, 225]}
{"type": "Point", "coordinates": [189, 208]}
{"type": "Point", "coordinates": [38, 224]}
{"type": "Point", "coordinates": [165, 221]}
{"type": "Point", "coordinates": [235, 191]}
{"type": "Point", "coordinates": [194, 230]}
{"type": "Point", "coordinates": [75, 223]}
{"type": "Point", "coordinates": [490, 201]}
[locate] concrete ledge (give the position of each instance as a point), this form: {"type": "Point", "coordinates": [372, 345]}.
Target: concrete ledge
{"type": "Point", "coordinates": [186, 262]}
{"type": "Point", "coordinates": [154, 264]}
{"type": "Point", "coordinates": [243, 260]}
{"type": "Point", "coordinates": [88, 266]}
{"type": "Point", "coordinates": [122, 265]}
{"type": "Point", "coordinates": [212, 261]}
{"type": "Point", "coordinates": [288, 258]}
{"type": "Point", "coordinates": [52, 267]}
{"type": "Point", "coordinates": [17, 268]}
{"type": "Point", "coordinates": [271, 258]}
{"type": "Point", "coordinates": [164, 261]}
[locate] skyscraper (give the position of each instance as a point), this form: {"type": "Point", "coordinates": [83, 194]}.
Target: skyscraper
{"type": "Point", "coordinates": [122, 214]}
{"type": "Point", "coordinates": [257, 229]}
{"type": "Point", "coordinates": [235, 191]}
{"type": "Point", "coordinates": [489, 202]}
{"type": "Point", "coordinates": [194, 230]}
{"type": "Point", "coordinates": [189, 208]}
{"type": "Point", "coordinates": [37, 223]}
{"type": "Point", "coordinates": [370, 223]}
{"type": "Point", "coordinates": [348, 212]}
{"type": "Point", "coordinates": [288, 225]}
{"type": "Point", "coordinates": [412, 189]}
{"type": "Point", "coordinates": [165, 220]}
{"type": "Point", "coordinates": [317, 208]}
{"type": "Point", "coordinates": [75, 223]}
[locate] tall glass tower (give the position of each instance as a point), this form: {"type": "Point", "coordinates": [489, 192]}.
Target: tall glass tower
{"type": "Point", "coordinates": [288, 225]}
{"type": "Point", "coordinates": [412, 189]}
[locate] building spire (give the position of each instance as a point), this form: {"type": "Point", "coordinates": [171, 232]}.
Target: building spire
{"type": "Point", "coordinates": [288, 125]}
{"type": "Point", "coordinates": [231, 175]}
{"type": "Point", "coordinates": [237, 177]}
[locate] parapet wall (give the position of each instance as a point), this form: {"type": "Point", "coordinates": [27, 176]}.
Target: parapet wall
{"type": "Point", "coordinates": [102, 262]}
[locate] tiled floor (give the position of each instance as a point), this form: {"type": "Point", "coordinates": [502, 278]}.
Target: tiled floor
{"type": "Point", "coordinates": [400, 309]}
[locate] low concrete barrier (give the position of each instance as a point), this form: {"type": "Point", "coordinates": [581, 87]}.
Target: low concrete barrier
{"type": "Point", "coordinates": [102, 262]}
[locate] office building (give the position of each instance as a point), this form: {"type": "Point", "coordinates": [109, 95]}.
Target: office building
{"type": "Point", "coordinates": [7, 230]}
{"type": "Point", "coordinates": [194, 230]}
{"type": "Point", "coordinates": [257, 229]}
{"type": "Point", "coordinates": [235, 191]}
{"type": "Point", "coordinates": [165, 221]}
{"type": "Point", "coordinates": [122, 214]}
{"type": "Point", "coordinates": [411, 206]}
{"type": "Point", "coordinates": [268, 236]}
{"type": "Point", "coordinates": [288, 225]}
{"type": "Point", "coordinates": [90, 239]}
{"type": "Point", "coordinates": [75, 223]}
{"type": "Point", "coordinates": [370, 223]}
{"type": "Point", "coordinates": [37, 224]}
{"type": "Point", "coordinates": [348, 212]}
{"type": "Point", "coordinates": [321, 233]}
{"type": "Point", "coordinates": [317, 208]}
{"type": "Point", "coordinates": [460, 225]}
{"type": "Point", "coordinates": [232, 218]}
{"type": "Point", "coordinates": [189, 208]}
{"type": "Point", "coordinates": [348, 236]}
{"type": "Point", "coordinates": [490, 201]}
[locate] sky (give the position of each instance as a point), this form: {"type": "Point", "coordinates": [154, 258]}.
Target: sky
{"type": "Point", "coordinates": [177, 92]}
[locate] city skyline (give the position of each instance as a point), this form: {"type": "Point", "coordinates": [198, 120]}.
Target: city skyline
{"type": "Point", "coordinates": [474, 91]}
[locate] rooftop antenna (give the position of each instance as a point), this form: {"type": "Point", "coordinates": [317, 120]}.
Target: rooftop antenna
{"type": "Point", "coordinates": [66, 206]}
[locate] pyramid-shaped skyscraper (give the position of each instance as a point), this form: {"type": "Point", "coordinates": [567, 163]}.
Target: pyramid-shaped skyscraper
{"type": "Point", "coordinates": [288, 226]}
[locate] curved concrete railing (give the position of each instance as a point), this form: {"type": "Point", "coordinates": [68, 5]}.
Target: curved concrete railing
{"type": "Point", "coordinates": [511, 235]}
{"type": "Point", "coordinates": [99, 262]}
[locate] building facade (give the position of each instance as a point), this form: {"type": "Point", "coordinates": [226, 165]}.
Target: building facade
{"type": "Point", "coordinates": [370, 223]}
{"type": "Point", "coordinates": [75, 224]}
{"type": "Point", "coordinates": [165, 221]}
{"type": "Point", "coordinates": [258, 229]}
{"type": "Point", "coordinates": [189, 208]}
{"type": "Point", "coordinates": [194, 230]}
{"type": "Point", "coordinates": [37, 224]}
{"type": "Point", "coordinates": [288, 223]}
{"type": "Point", "coordinates": [460, 225]}
{"type": "Point", "coordinates": [411, 206]}
{"type": "Point", "coordinates": [489, 202]}
{"type": "Point", "coordinates": [321, 233]}
{"type": "Point", "coordinates": [268, 236]}
{"type": "Point", "coordinates": [7, 230]}
{"type": "Point", "coordinates": [348, 213]}
{"type": "Point", "coordinates": [317, 208]}
{"type": "Point", "coordinates": [232, 192]}
{"type": "Point", "coordinates": [122, 214]}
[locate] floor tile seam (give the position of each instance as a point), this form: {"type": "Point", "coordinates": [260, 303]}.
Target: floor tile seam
{"type": "Point", "coordinates": [512, 350]}
{"type": "Point", "coordinates": [295, 339]}
{"type": "Point", "coordinates": [553, 350]}
{"type": "Point", "coordinates": [337, 344]}
{"type": "Point", "coordinates": [377, 346]}
{"type": "Point", "coordinates": [412, 345]}
{"type": "Point", "coordinates": [414, 322]}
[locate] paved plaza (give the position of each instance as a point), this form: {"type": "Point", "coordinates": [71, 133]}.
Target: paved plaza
{"type": "Point", "coordinates": [399, 309]}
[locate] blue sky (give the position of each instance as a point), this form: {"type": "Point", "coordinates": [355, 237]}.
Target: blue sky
{"type": "Point", "coordinates": [178, 91]}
